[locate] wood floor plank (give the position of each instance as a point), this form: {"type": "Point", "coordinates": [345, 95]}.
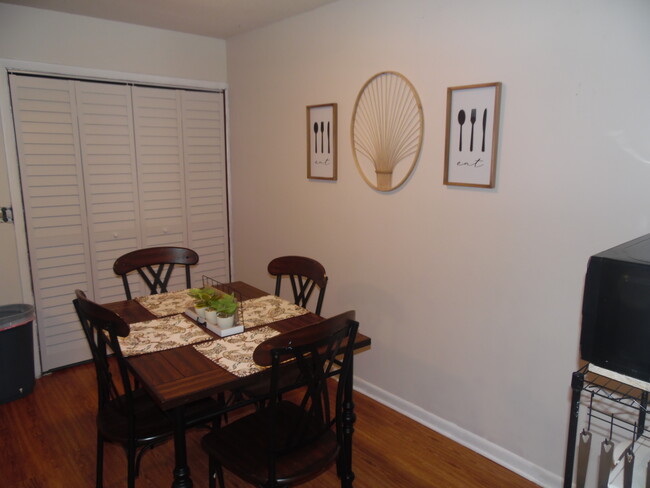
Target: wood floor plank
{"type": "Point", "coordinates": [48, 440]}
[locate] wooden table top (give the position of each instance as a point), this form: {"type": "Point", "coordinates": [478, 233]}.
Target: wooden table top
{"type": "Point", "coordinates": [181, 375]}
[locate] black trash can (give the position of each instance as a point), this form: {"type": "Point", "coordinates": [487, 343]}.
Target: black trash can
{"type": "Point", "coordinates": [16, 352]}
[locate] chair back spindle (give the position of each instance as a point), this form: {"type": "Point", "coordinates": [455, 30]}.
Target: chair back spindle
{"type": "Point", "coordinates": [155, 266]}
{"type": "Point", "coordinates": [101, 328]}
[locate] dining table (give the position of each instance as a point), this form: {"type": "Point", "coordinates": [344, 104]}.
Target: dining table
{"type": "Point", "coordinates": [180, 375]}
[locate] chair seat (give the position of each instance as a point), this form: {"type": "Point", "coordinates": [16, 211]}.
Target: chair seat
{"type": "Point", "coordinates": [259, 389]}
{"type": "Point", "coordinates": [151, 423]}
{"type": "Point", "coordinates": [242, 447]}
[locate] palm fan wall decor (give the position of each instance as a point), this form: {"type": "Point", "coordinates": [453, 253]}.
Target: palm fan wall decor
{"type": "Point", "coordinates": [387, 128]}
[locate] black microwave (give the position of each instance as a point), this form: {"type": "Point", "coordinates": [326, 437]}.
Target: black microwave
{"type": "Point", "coordinates": [615, 331]}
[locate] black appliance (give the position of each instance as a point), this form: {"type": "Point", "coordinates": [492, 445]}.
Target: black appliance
{"type": "Point", "coordinates": [616, 309]}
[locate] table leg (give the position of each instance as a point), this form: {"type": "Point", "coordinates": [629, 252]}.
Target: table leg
{"type": "Point", "coordinates": [181, 470]}
{"type": "Point", "coordinates": [345, 465]}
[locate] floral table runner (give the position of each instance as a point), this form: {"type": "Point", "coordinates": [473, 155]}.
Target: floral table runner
{"type": "Point", "coordinates": [235, 353]}
{"type": "Point", "coordinates": [268, 309]}
{"type": "Point", "coordinates": [164, 304]}
{"type": "Point", "coordinates": [161, 334]}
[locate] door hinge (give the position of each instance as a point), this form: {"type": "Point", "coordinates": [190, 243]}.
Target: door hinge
{"type": "Point", "coordinates": [7, 214]}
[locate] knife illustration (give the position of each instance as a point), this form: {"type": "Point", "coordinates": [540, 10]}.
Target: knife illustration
{"type": "Point", "coordinates": [484, 122]}
{"type": "Point", "coordinates": [472, 119]}
{"type": "Point", "coordinates": [328, 138]}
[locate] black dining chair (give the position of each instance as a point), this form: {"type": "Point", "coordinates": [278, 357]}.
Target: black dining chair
{"type": "Point", "coordinates": [155, 266]}
{"type": "Point", "coordinates": [288, 442]}
{"type": "Point", "coordinates": [127, 415]}
{"type": "Point", "coordinates": [304, 274]}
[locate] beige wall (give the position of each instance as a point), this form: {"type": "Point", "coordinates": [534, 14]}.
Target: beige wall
{"type": "Point", "coordinates": [472, 297]}
{"type": "Point", "coordinates": [30, 35]}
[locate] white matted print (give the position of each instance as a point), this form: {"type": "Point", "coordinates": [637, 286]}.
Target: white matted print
{"type": "Point", "coordinates": [321, 142]}
{"type": "Point", "coordinates": [472, 135]}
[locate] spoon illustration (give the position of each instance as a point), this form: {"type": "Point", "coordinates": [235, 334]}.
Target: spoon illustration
{"type": "Point", "coordinates": [472, 119]}
{"type": "Point", "coordinates": [315, 140]}
{"type": "Point", "coordinates": [322, 131]}
{"type": "Point", "coordinates": [461, 121]}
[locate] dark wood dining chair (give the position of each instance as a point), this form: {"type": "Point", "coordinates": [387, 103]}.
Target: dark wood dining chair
{"type": "Point", "coordinates": [286, 443]}
{"type": "Point", "coordinates": [126, 415]}
{"type": "Point", "coordinates": [155, 266]}
{"type": "Point", "coordinates": [304, 274]}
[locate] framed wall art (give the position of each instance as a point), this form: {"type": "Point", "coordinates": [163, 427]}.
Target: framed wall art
{"type": "Point", "coordinates": [472, 135]}
{"type": "Point", "coordinates": [387, 130]}
{"type": "Point", "coordinates": [321, 142]}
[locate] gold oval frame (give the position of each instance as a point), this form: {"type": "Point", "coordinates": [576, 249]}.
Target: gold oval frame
{"type": "Point", "coordinates": [387, 127]}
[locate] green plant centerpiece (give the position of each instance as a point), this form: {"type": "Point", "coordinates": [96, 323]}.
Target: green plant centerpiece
{"type": "Point", "coordinates": [225, 305]}
{"type": "Point", "coordinates": [215, 306]}
{"type": "Point", "coordinates": [202, 299]}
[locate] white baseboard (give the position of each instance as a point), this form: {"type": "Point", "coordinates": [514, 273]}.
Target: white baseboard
{"type": "Point", "coordinates": [477, 444]}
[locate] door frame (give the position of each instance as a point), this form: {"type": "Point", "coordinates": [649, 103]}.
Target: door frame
{"type": "Point", "coordinates": [11, 153]}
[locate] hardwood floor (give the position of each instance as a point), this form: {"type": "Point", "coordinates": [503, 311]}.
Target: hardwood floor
{"type": "Point", "coordinates": [47, 440]}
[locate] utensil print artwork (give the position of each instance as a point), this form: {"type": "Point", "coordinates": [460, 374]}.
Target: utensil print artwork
{"type": "Point", "coordinates": [321, 141]}
{"type": "Point", "coordinates": [461, 121]}
{"type": "Point", "coordinates": [474, 162]}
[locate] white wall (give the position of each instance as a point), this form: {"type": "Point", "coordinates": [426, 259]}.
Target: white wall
{"type": "Point", "coordinates": [472, 297]}
{"type": "Point", "coordinates": [76, 43]}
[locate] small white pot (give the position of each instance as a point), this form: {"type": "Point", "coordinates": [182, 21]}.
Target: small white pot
{"type": "Point", "coordinates": [211, 316]}
{"type": "Point", "coordinates": [200, 311]}
{"type": "Point", "coordinates": [225, 322]}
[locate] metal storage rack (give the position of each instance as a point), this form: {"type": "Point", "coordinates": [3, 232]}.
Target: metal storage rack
{"type": "Point", "coordinates": [632, 400]}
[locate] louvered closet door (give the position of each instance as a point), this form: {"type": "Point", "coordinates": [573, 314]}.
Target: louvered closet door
{"type": "Point", "coordinates": [111, 184]}
{"type": "Point", "coordinates": [204, 149]}
{"type": "Point", "coordinates": [108, 168]}
{"type": "Point", "coordinates": [51, 178]}
{"type": "Point", "coordinates": [161, 171]}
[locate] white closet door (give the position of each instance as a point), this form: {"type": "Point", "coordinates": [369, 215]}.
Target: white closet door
{"type": "Point", "coordinates": [161, 172]}
{"type": "Point", "coordinates": [204, 148]}
{"type": "Point", "coordinates": [111, 183]}
{"type": "Point", "coordinates": [52, 185]}
{"type": "Point", "coordinates": [106, 169]}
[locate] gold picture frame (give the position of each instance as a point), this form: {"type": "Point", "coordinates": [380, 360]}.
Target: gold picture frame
{"type": "Point", "coordinates": [322, 141]}
{"type": "Point", "coordinates": [387, 130]}
{"type": "Point", "coordinates": [472, 135]}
